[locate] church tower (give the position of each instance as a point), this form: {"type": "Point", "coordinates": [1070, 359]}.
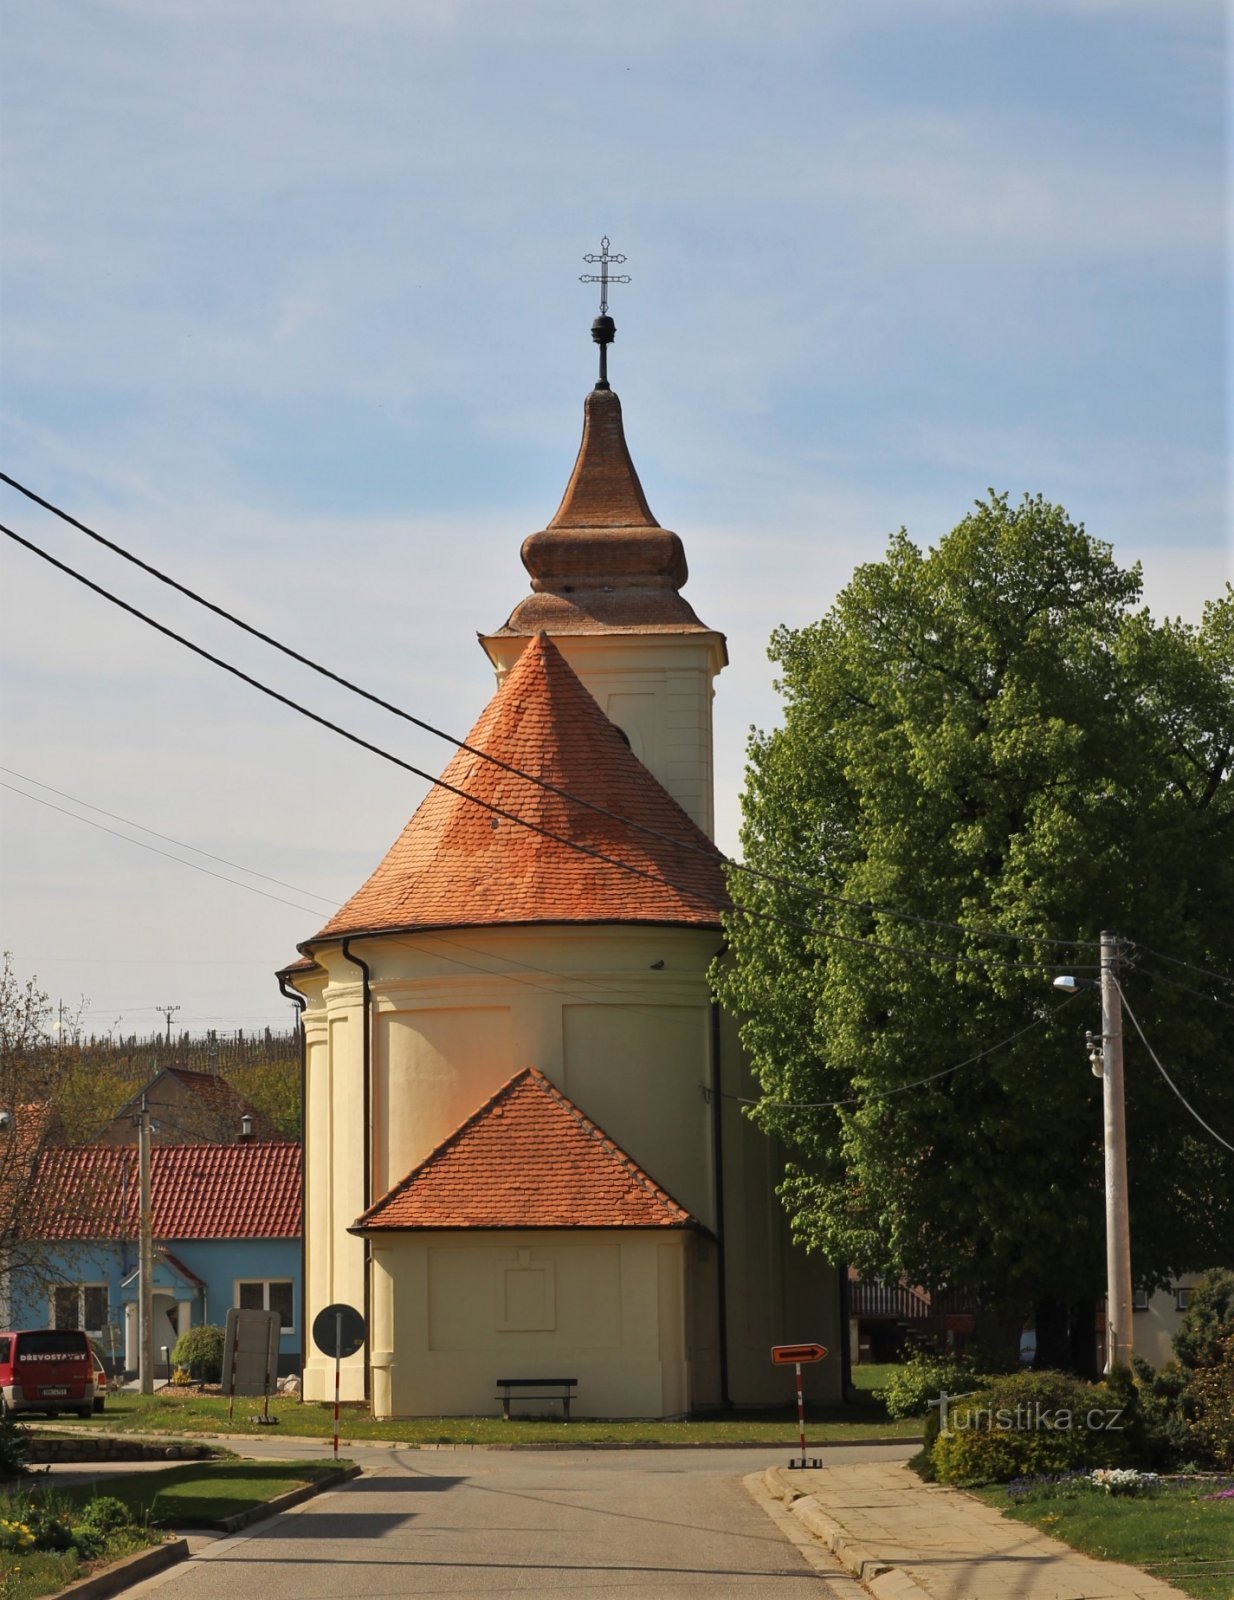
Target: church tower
{"type": "Point", "coordinates": [606, 583]}
{"type": "Point", "coordinates": [524, 1144]}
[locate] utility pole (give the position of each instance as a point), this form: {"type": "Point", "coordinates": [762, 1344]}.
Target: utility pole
{"type": "Point", "coordinates": [169, 1012]}
{"type": "Point", "coordinates": [1119, 1339]}
{"type": "Point", "coordinates": [145, 1270]}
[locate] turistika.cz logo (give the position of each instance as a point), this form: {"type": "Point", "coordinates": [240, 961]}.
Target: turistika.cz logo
{"type": "Point", "coordinates": [1023, 1417]}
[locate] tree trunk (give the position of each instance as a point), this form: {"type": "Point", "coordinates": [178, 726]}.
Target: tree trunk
{"type": "Point", "coordinates": [1083, 1332]}
{"type": "Point", "coordinates": [1053, 1341]}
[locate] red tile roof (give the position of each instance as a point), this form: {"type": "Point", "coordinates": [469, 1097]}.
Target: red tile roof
{"type": "Point", "coordinates": [528, 1158]}
{"type": "Point", "coordinates": [198, 1191]}
{"type": "Point", "coordinates": [222, 1108]}
{"type": "Point", "coordinates": [457, 864]}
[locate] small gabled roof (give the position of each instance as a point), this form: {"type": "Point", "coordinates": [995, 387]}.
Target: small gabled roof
{"type": "Point", "coordinates": [198, 1191]}
{"type": "Point", "coordinates": [458, 864]}
{"type": "Point", "coordinates": [528, 1158]}
{"type": "Point", "coordinates": [222, 1105]}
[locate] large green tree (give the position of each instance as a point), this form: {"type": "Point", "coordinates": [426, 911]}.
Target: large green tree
{"type": "Point", "coordinates": [994, 735]}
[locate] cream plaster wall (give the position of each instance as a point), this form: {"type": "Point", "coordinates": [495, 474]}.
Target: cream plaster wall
{"type": "Point", "coordinates": [455, 1311]}
{"type": "Point", "coordinates": [658, 689]}
{"type": "Point", "coordinates": [454, 1014]}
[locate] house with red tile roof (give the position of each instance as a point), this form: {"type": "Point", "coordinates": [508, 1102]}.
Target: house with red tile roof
{"type": "Point", "coordinates": [188, 1107]}
{"type": "Point", "coordinates": [226, 1222]}
{"type": "Point", "coordinates": [525, 1153]}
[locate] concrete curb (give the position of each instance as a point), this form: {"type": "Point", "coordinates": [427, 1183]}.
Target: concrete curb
{"type": "Point", "coordinates": [788, 1444]}
{"type": "Point", "coordinates": [122, 1574]}
{"type": "Point", "coordinates": [282, 1502]}
{"type": "Point", "coordinates": [880, 1578]}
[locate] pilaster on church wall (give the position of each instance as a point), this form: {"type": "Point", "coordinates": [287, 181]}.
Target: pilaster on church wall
{"type": "Point", "coordinates": [334, 1162]}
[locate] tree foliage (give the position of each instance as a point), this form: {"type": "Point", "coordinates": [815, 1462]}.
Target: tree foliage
{"type": "Point", "coordinates": [993, 735]}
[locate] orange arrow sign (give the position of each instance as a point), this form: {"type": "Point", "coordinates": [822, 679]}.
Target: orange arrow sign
{"type": "Point", "coordinates": [788, 1355]}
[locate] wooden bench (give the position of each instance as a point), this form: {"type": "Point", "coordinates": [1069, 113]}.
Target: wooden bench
{"type": "Point", "coordinates": [545, 1389]}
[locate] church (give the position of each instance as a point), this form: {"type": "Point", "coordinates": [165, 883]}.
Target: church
{"type": "Point", "coordinates": [525, 1151]}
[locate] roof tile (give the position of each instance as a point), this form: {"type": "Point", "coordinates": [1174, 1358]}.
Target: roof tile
{"type": "Point", "coordinates": [458, 864]}
{"type": "Point", "coordinates": [199, 1191]}
{"type": "Point", "coordinates": [528, 1158]}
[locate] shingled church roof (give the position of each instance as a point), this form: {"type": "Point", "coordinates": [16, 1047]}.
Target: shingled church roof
{"type": "Point", "coordinates": [462, 864]}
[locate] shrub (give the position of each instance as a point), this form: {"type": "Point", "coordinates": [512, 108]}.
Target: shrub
{"type": "Point", "coordinates": [1208, 1322]}
{"type": "Point", "coordinates": [923, 1378]}
{"type": "Point", "coordinates": [13, 1452]}
{"type": "Point", "coordinates": [48, 1521]}
{"type": "Point", "coordinates": [105, 1513]}
{"type": "Point", "coordinates": [200, 1350]}
{"type": "Point", "coordinates": [1208, 1404]}
{"type": "Point", "coordinates": [1028, 1424]}
{"type": "Point", "coordinates": [15, 1536]}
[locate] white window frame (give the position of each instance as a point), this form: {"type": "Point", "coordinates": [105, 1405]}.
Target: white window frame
{"type": "Point", "coordinates": [288, 1327]}
{"type": "Point", "coordinates": [1140, 1299]}
{"type": "Point", "coordinates": [80, 1290]}
{"type": "Point", "coordinates": [1182, 1296]}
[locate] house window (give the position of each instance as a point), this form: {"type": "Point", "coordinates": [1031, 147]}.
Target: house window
{"type": "Point", "coordinates": [1139, 1299]}
{"type": "Point", "coordinates": [266, 1294]}
{"type": "Point", "coordinates": [79, 1305]}
{"type": "Point", "coordinates": [1182, 1298]}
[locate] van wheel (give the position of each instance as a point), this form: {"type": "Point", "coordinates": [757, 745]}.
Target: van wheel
{"type": "Point", "coordinates": [86, 1412]}
{"type": "Point", "coordinates": [52, 1413]}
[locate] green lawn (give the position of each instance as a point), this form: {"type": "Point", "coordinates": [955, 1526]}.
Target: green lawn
{"type": "Point", "coordinates": [200, 1494]}
{"type": "Point", "coordinates": [871, 1375]}
{"type": "Point", "coordinates": [132, 1413]}
{"type": "Point", "coordinates": [30, 1576]}
{"type": "Point", "coordinates": [1176, 1535]}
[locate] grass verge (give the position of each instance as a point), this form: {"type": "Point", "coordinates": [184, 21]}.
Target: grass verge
{"type": "Point", "coordinates": [1176, 1535]}
{"type": "Point", "coordinates": [188, 1414]}
{"type": "Point", "coordinates": [202, 1494]}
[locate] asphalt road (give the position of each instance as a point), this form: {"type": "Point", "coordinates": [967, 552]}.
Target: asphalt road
{"type": "Point", "coordinates": [652, 1524]}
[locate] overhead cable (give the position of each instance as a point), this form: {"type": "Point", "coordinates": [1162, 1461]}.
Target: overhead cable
{"type": "Point", "coordinates": [947, 957]}
{"type": "Point", "coordinates": [505, 766]}
{"type": "Point", "coordinates": [1156, 1062]}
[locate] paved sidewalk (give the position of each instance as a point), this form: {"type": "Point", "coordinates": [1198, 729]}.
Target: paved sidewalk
{"type": "Point", "coordinates": [908, 1540]}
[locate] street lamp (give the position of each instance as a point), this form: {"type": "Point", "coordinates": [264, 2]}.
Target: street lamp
{"type": "Point", "coordinates": [1106, 1055]}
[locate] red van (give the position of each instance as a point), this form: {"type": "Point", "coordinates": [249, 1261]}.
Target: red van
{"type": "Point", "coordinates": [46, 1369]}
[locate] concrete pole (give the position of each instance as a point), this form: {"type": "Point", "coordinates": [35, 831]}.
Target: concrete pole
{"type": "Point", "coordinates": [145, 1295]}
{"type": "Point", "coordinates": [1119, 1339]}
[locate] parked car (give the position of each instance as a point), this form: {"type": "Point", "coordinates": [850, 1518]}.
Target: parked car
{"type": "Point", "coordinates": [46, 1369]}
{"type": "Point", "coordinates": [101, 1383]}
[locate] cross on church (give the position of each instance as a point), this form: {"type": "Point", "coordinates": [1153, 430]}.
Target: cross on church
{"type": "Point", "coordinates": [604, 329]}
{"type": "Point", "coordinates": [604, 277]}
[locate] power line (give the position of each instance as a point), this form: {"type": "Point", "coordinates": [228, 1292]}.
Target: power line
{"type": "Point", "coordinates": [154, 849]}
{"type": "Point", "coordinates": [948, 958]}
{"type": "Point", "coordinates": [902, 1088]}
{"type": "Point", "coordinates": [1183, 988]}
{"type": "Point", "coordinates": [1176, 961]}
{"type": "Point", "coordinates": [1167, 1076]}
{"type": "Point", "coordinates": [166, 837]}
{"type": "Point", "coordinates": [505, 766]}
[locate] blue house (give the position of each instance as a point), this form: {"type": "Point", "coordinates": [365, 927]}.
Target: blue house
{"type": "Point", "coordinates": [226, 1229]}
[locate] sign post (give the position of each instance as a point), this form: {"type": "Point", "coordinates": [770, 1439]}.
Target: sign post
{"type": "Point", "coordinates": [796, 1355]}
{"type": "Point", "coordinates": [338, 1331]}
{"type": "Point", "coordinates": [251, 1356]}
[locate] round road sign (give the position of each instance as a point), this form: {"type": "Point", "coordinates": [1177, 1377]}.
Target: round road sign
{"type": "Point", "coordinates": [338, 1331]}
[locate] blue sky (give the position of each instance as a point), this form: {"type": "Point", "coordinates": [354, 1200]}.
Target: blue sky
{"type": "Point", "coordinates": [291, 306]}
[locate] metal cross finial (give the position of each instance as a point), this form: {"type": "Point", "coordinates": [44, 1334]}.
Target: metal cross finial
{"type": "Point", "coordinates": [604, 329]}
{"type": "Point", "coordinates": [604, 277]}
